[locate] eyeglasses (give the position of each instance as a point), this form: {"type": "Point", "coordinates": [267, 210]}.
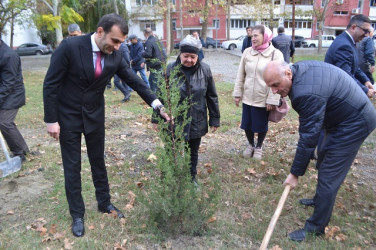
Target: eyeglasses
{"type": "Point", "coordinates": [366, 31]}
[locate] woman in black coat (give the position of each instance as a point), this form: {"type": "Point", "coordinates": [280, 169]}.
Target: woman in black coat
{"type": "Point", "coordinates": [196, 82]}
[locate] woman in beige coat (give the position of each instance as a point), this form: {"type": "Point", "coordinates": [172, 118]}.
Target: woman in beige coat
{"type": "Point", "coordinates": [250, 88]}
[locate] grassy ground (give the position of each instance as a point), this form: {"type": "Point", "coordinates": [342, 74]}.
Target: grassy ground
{"type": "Point", "coordinates": [250, 189]}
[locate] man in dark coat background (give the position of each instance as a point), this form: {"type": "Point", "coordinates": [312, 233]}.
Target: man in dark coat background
{"type": "Point", "coordinates": [284, 44]}
{"type": "Point", "coordinates": [329, 102]}
{"type": "Point", "coordinates": [12, 97]}
{"type": "Point", "coordinates": [137, 61]}
{"type": "Point", "coordinates": [247, 42]}
{"type": "Point", "coordinates": [154, 56]}
{"type": "Point", "coordinates": [74, 105]}
{"type": "Point", "coordinates": [120, 84]}
{"type": "Point", "coordinates": [342, 52]}
{"type": "Point", "coordinates": [366, 55]}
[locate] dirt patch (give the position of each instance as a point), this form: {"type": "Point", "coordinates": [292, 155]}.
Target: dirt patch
{"type": "Point", "coordinates": [20, 190]}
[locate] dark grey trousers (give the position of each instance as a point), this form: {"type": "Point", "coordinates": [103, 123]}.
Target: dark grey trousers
{"type": "Point", "coordinates": [11, 134]}
{"type": "Point", "coordinates": [333, 164]}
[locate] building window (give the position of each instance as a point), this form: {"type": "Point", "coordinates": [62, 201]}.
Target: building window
{"type": "Point", "coordinates": [341, 13]}
{"type": "Point", "coordinates": [216, 23]}
{"type": "Point", "coordinates": [173, 2]}
{"type": "Point", "coordinates": [372, 3]}
{"type": "Point", "coordinates": [146, 2]}
{"type": "Point", "coordinates": [323, 2]}
{"type": "Point", "coordinates": [173, 24]}
{"type": "Point", "coordinates": [277, 2]}
{"type": "Point", "coordinates": [241, 23]}
{"type": "Point", "coordinates": [299, 24]}
{"type": "Point", "coordinates": [147, 24]}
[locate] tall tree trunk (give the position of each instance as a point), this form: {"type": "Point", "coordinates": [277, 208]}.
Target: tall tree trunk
{"type": "Point", "coordinates": [116, 7]}
{"type": "Point", "coordinates": [168, 26]}
{"type": "Point", "coordinates": [228, 19]}
{"type": "Point", "coordinates": [206, 19]}
{"type": "Point", "coordinates": [58, 30]}
{"type": "Point", "coordinates": [11, 30]}
{"type": "Point", "coordinates": [181, 19]}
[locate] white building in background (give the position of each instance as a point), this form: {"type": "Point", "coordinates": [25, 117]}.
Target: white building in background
{"type": "Point", "coordinates": [142, 14]}
{"type": "Point", "coordinates": [23, 33]}
{"type": "Point", "coordinates": [240, 18]}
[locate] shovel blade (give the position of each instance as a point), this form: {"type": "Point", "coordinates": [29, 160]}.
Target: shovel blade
{"type": "Point", "coordinates": [10, 167]}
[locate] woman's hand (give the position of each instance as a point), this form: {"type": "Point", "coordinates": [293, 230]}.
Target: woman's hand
{"type": "Point", "coordinates": [237, 101]}
{"type": "Point", "coordinates": [270, 107]}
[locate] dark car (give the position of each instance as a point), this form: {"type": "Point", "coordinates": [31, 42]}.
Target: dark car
{"type": "Point", "coordinates": [210, 43]}
{"type": "Point", "coordinates": [300, 42]}
{"type": "Point", "coordinates": [33, 49]}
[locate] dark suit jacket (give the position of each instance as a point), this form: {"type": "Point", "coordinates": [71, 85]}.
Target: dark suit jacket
{"type": "Point", "coordinates": [153, 53]}
{"type": "Point", "coordinates": [71, 94]}
{"type": "Point", "coordinates": [12, 90]}
{"type": "Point", "coordinates": [136, 55]}
{"type": "Point", "coordinates": [342, 53]}
{"type": "Point", "coordinates": [247, 42]}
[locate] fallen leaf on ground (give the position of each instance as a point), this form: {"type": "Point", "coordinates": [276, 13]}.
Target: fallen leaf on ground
{"type": "Point", "coordinates": [52, 229]}
{"type": "Point", "coordinates": [211, 219]}
{"type": "Point", "coordinates": [10, 212]}
{"type": "Point", "coordinates": [68, 245]}
{"type": "Point", "coordinates": [91, 227]}
{"type": "Point", "coordinates": [152, 158]}
{"type": "Point", "coordinates": [276, 247]}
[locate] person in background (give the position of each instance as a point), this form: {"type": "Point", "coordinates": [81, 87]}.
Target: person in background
{"type": "Point", "coordinates": [201, 52]}
{"type": "Point", "coordinates": [120, 84]}
{"type": "Point", "coordinates": [284, 43]}
{"type": "Point", "coordinates": [250, 88]}
{"type": "Point", "coordinates": [342, 52]}
{"type": "Point", "coordinates": [154, 57]}
{"type": "Point", "coordinates": [328, 101]}
{"type": "Point", "coordinates": [12, 97]}
{"type": "Point", "coordinates": [247, 42]}
{"type": "Point", "coordinates": [366, 55]}
{"type": "Point", "coordinates": [137, 61]}
{"type": "Point", "coordinates": [201, 92]}
{"type": "Point", "coordinates": [73, 97]}
{"type": "Point", "coordinates": [74, 30]}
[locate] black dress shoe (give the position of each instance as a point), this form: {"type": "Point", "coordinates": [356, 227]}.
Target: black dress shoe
{"type": "Point", "coordinates": [109, 210]}
{"type": "Point", "coordinates": [78, 228]}
{"type": "Point", "coordinates": [307, 202]}
{"type": "Point", "coordinates": [298, 235]}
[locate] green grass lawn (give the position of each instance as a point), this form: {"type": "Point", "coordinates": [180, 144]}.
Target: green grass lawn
{"type": "Point", "coordinates": [249, 191]}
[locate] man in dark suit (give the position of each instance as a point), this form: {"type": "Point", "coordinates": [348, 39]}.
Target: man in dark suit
{"type": "Point", "coordinates": [342, 53]}
{"type": "Point", "coordinates": [284, 44]}
{"type": "Point", "coordinates": [247, 42]}
{"type": "Point", "coordinates": [328, 101]}
{"type": "Point", "coordinates": [74, 105]}
{"type": "Point", "coordinates": [154, 56]}
{"type": "Point", "coordinates": [12, 97]}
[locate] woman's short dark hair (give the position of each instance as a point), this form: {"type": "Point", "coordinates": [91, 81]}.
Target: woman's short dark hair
{"type": "Point", "coordinates": [109, 20]}
{"type": "Point", "coordinates": [261, 28]}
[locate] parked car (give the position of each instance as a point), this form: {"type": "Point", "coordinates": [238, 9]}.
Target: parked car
{"type": "Point", "coordinates": [326, 41]}
{"type": "Point", "coordinates": [300, 42]}
{"type": "Point", "coordinates": [33, 49]}
{"type": "Point", "coordinates": [233, 44]}
{"type": "Point", "coordinates": [211, 43]}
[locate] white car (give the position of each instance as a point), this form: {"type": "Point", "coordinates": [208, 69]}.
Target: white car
{"type": "Point", "coordinates": [327, 40]}
{"type": "Point", "coordinates": [233, 44]}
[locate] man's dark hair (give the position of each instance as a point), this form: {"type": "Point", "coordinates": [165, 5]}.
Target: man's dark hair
{"type": "Point", "coordinates": [109, 20]}
{"type": "Point", "coordinates": [358, 20]}
{"type": "Point", "coordinates": [249, 27]}
{"type": "Point", "coordinates": [280, 30]}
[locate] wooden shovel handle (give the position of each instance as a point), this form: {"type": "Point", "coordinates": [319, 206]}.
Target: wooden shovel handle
{"type": "Point", "coordinates": [275, 217]}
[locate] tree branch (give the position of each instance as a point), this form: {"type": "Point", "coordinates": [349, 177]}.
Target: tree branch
{"type": "Point", "coordinates": [48, 5]}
